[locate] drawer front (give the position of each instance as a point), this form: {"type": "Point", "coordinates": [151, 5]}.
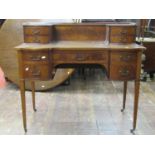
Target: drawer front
{"type": "Point", "coordinates": [122, 72]}
{"type": "Point", "coordinates": [36, 56]}
{"type": "Point", "coordinates": [123, 30]}
{"type": "Point", "coordinates": [125, 34]}
{"type": "Point", "coordinates": [121, 57]}
{"type": "Point", "coordinates": [37, 30]}
{"type": "Point", "coordinates": [37, 71]}
{"type": "Point", "coordinates": [122, 39]}
{"type": "Point", "coordinates": [37, 39]}
{"type": "Point", "coordinates": [80, 57]}
{"type": "Point", "coordinates": [123, 65]}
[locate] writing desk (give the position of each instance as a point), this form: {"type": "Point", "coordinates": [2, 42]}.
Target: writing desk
{"type": "Point", "coordinates": [38, 61]}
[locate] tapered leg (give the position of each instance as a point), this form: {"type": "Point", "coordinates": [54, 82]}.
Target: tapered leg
{"type": "Point", "coordinates": [136, 98]}
{"type": "Point", "coordinates": [33, 95]}
{"type": "Point", "coordinates": [124, 95]}
{"type": "Point", "coordinates": [22, 91]}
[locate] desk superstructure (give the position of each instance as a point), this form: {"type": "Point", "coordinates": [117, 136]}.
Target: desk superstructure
{"type": "Point", "coordinates": [111, 45]}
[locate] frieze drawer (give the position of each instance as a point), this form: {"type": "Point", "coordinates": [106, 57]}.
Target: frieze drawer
{"type": "Point", "coordinates": [81, 57]}
{"type": "Point", "coordinates": [36, 56]}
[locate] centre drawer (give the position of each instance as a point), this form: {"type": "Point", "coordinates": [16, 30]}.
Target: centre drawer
{"type": "Point", "coordinates": [80, 57]}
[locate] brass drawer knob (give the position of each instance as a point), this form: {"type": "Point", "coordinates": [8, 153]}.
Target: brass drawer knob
{"type": "Point", "coordinates": [43, 57]}
{"type": "Point", "coordinates": [36, 32]}
{"type": "Point", "coordinates": [27, 69]}
{"type": "Point", "coordinates": [35, 58]}
{"type": "Point", "coordinates": [36, 73]}
{"type": "Point", "coordinates": [80, 57]}
{"type": "Point", "coordinates": [124, 72]}
{"type": "Point", "coordinates": [125, 57]}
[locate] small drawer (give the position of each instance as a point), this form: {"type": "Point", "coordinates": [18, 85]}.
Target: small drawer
{"type": "Point", "coordinates": [122, 72]}
{"type": "Point", "coordinates": [125, 30]}
{"type": "Point", "coordinates": [123, 57]}
{"type": "Point", "coordinates": [37, 30]}
{"type": "Point", "coordinates": [39, 56]}
{"type": "Point", "coordinates": [37, 71]}
{"type": "Point", "coordinates": [122, 34]}
{"type": "Point", "coordinates": [80, 57]}
{"type": "Point", "coordinates": [37, 39]}
{"type": "Point", "coordinates": [122, 39]}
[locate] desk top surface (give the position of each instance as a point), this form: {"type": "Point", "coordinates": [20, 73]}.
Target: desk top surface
{"type": "Point", "coordinates": [51, 23]}
{"type": "Point", "coordinates": [83, 45]}
{"type": "Point", "coordinates": [149, 39]}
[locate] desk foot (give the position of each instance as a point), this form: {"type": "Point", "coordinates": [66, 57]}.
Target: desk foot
{"type": "Point", "coordinates": [35, 109]}
{"type": "Point", "coordinates": [25, 130]}
{"type": "Point", "coordinates": [132, 131]}
{"type": "Point", "coordinates": [122, 110]}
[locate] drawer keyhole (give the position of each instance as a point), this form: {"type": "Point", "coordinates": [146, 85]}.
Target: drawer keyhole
{"type": "Point", "coordinates": [124, 72]}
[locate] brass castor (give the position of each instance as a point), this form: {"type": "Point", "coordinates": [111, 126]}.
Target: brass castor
{"type": "Point", "coordinates": [132, 131]}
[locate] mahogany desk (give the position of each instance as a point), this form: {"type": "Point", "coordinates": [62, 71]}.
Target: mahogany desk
{"type": "Point", "coordinates": [38, 61]}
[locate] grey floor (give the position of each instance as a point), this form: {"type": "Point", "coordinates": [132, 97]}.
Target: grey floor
{"type": "Point", "coordinates": [84, 107]}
